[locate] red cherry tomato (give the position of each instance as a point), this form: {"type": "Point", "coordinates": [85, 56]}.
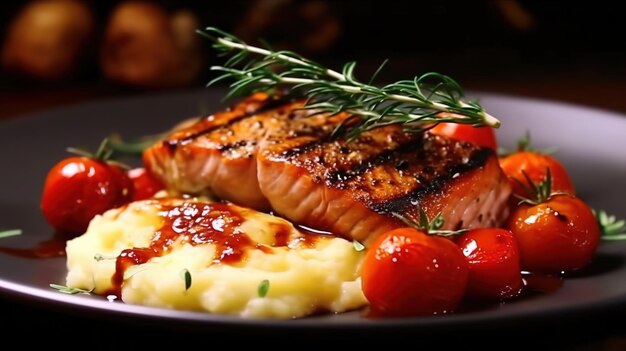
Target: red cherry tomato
{"type": "Point", "coordinates": [560, 234]}
{"type": "Point", "coordinates": [145, 184]}
{"type": "Point", "coordinates": [482, 136]}
{"type": "Point", "coordinates": [494, 263]}
{"type": "Point", "coordinates": [407, 272]}
{"type": "Point", "coordinates": [78, 188]}
{"type": "Point", "coordinates": [535, 165]}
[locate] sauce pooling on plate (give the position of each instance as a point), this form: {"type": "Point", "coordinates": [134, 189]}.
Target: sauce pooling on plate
{"type": "Point", "coordinates": [50, 248]}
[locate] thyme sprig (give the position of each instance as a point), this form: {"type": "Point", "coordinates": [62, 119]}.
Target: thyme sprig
{"type": "Point", "coordinates": [524, 144]}
{"type": "Point", "coordinates": [611, 228]}
{"type": "Point", "coordinates": [132, 147]}
{"type": "Point", "coordinates": [69, 290]}
{"type": "Point", "coordinates": [185, 275]}
{"type": "Point", "coordinates": [358, 246]}
{"type": "Point", "coordinates": [416, 104]}
{"type": "Point", "coordinates": [10, 232]}
{"type": "Point", "coordinates": [263, 288]}
{"type": "Point", "coordinates": [104, 153]}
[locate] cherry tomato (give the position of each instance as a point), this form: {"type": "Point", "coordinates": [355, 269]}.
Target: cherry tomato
{"type": "Point", "coordinates": [407, 272]}
{"type": "Point", "coordinates": [494, 263]}
{"type": "Point", "coordinates": [78, 188]}
{"type": "Point", "coordinates": [145, 184]}
{"type": "Point", "coordinates": [482, 136]}
{"type": "Point", "coordinates": [535, 165]}
{"type": "Point", "coordinates": [560, 234]}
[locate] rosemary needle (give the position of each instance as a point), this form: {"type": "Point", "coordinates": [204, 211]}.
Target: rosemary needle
{"type": "Point", "coordinates": [416, 104]}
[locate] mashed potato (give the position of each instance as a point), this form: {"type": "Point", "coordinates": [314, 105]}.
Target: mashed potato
{"type": "Point", "coordinates": [218, 258]}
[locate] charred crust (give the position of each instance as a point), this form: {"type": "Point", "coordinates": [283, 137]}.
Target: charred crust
{"type": "Point", "coordinates": [412, 198]}
{"type": "Point", "coordinates": [344, 175]}
{"type": "Point", "coordinates": [268, 104]}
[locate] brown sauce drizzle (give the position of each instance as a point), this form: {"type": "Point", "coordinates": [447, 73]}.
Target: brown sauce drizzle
{"type": "Point", "coordinates": [198, 223]}
{"type": "Point", "coordinates": [194, 223]}
{"type": "Point", "coordinates": [281, 234]}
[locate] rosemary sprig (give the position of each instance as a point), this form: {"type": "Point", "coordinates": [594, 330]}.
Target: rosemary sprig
{"type": "Point", "coordinates": [415, 104]}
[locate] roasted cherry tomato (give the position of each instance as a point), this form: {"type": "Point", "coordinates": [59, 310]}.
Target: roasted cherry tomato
{"type": "Point", "coordinates": [560, 234]}
{"type": "Point", "coordinates": [482, 136]}
{"type": "Point", "coordinates": [145, 184]}
{"type": "Point", "coordinates": [494, 264]}
{"type": "Point", "coordinates": [535, 165]}
{"type": "Point", "coordinates": [78, 188]}
{"type": "Point", "coordinates": [407, 272]}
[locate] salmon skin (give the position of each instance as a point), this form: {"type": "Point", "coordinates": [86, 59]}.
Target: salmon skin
{"type": "Point", "coordinates": [272, 155]}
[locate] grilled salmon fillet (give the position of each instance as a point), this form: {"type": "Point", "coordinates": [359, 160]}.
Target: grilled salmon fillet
{"type": "Point", "coordinates": [269, 154]}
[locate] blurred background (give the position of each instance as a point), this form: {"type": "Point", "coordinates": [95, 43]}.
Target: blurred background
{"type": "Point", "coordinates": [56, 52]}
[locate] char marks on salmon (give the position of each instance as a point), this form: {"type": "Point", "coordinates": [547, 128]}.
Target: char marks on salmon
{"type": "Point", "coordinates": [267, 154]}
{"type": "Point", "coordinates": [357, 189]}
{"type": "Point", "coordinates": [217, 154]}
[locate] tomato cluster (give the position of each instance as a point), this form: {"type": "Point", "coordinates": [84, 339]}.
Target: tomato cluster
{"type": "Point", "coordinates": [550, 231]}
{"type": "Point", "coordinates": [78, 188]}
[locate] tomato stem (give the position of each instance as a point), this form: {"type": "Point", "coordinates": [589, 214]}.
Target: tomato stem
{"type": "Point", "coordinates": [537, 192]}
{"type": "Point", "coordinates": [104, 152]}
{"type": "Point", "coordinates": [427, 225]}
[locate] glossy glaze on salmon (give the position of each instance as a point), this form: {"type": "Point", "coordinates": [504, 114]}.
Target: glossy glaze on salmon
{"type": "Point", "coordinates": [217, 154]}
{"type": "Point", "coordinates": [270, 155]}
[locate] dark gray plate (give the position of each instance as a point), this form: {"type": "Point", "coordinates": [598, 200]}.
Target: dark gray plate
{"type": "Point", "coordinates": [590, 143]}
